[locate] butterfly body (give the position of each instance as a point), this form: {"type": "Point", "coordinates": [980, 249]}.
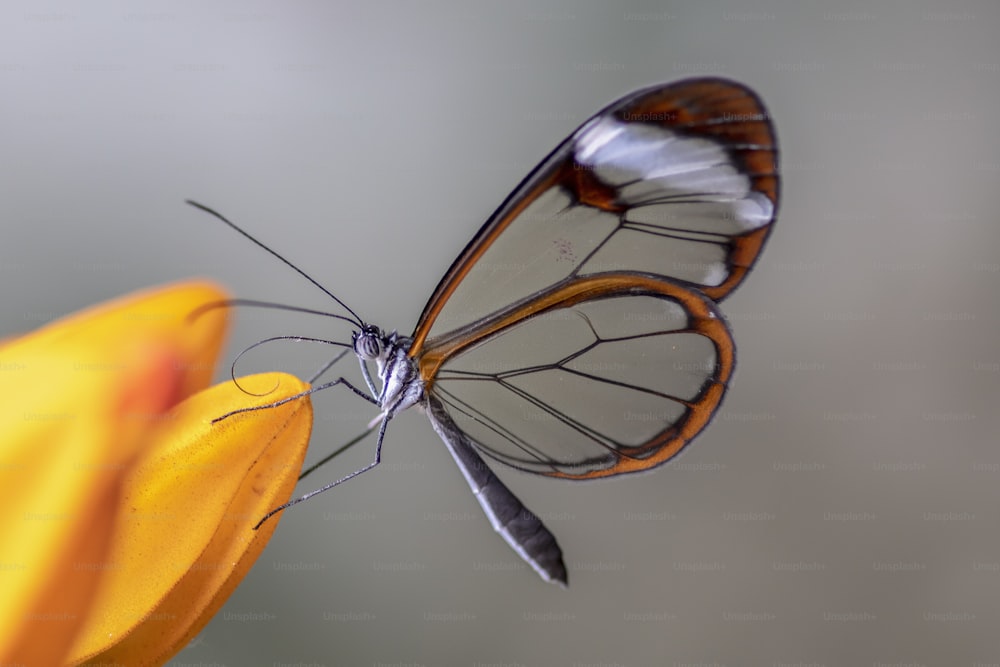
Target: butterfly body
{"type": "Point", "coordinates": [401, 388]}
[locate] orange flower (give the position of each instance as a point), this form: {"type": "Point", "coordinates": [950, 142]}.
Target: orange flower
{"type": "Point", "coordinates": [126, 516]}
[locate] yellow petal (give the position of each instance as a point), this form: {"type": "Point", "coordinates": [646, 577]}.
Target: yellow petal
{"type": "Point", "coordinates": [76, 402]}
{"type": "Point", "coordinates": [162, 312]}
{"type": "Point", "coordinates": [186, 538]}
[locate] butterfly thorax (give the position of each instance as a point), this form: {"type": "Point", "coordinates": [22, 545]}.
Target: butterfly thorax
{"type": "Point", "coordinates": [401, 386]}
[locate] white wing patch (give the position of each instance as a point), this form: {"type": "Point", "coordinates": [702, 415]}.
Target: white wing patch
{"type": "Point", "coordinates": [634, 158]}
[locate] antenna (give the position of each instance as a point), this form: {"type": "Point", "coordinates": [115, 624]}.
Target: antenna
{"type": "Point", "coordinates": [357, 320]}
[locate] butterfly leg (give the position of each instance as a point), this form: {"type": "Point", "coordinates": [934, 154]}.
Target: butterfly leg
{"type": "Point", "coordinates": [327, 366]}
{"type": "Point", "coordinates": [313, 390]}
{"type": "Point", "coordinates": [368, 377]}
{"type": "Point", "coordinates": [337, 452]}
{"type": "Point", "coordinates": [378, 459]}
{"type": "Point", "coordinates": [309, 392]}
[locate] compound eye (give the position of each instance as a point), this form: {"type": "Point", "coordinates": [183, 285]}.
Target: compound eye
{"type": "Point", "coordinates": [368, 343]}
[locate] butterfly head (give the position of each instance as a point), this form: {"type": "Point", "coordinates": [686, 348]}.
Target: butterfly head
{"type": "Point", "coordinates": [370, 343]}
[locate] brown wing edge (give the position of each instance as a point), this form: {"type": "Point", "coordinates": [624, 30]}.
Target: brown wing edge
{"type": "Point", "coordinates": [704, 318]}
{"type": "Point", "coordinates": [736, 117]}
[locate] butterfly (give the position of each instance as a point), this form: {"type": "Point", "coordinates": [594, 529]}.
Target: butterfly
{"type": "Point", "coordinates": [578, 334]}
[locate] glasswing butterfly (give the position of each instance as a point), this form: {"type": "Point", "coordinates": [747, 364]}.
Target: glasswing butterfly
{"type": "Point", "coordinates": [578, 334]}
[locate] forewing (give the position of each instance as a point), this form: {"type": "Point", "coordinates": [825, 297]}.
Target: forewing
{"type": "Point", "coordinates": [678, 181]}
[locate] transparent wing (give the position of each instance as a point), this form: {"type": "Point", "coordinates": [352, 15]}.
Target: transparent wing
{"type": "Point", "coordinates": [677, 181]}
{"type": "Point", "coordinates": [596, 376]}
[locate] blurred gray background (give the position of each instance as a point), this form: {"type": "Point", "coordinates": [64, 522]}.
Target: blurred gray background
{"type": "Point", "coordinates": [841, 510]}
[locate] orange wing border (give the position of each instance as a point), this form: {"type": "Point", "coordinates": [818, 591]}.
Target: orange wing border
{"type": "Point", "coordinates": [704, 319]}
